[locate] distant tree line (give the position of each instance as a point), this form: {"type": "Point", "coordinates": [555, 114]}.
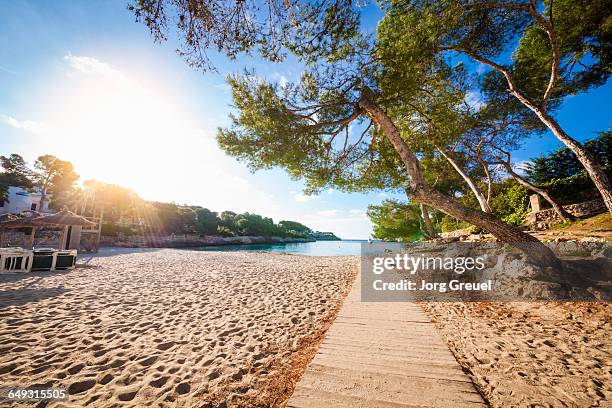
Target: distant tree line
{"type": "Point", "coordinates": [123, 211]}
{"type": "Point", "coordinates": [173, 218]}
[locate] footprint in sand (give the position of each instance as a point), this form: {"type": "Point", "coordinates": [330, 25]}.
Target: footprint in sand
{"type": "Point", "coordinates": [80, 386]}
{"type": "Point", "coordinates": [127, 396]}
{"type": "Point", "coordinates": [76, 368]}
{"type": "Point", "coordinates": [106, 379]}
{"type": "Point", "coordinates": [165, 346]}
{"type": "Point", "coordinates": [183, 388]}
{"type": "Point", "coordinates": [148, 361]}
{"type": "Point", "coordinates": [159, 382]}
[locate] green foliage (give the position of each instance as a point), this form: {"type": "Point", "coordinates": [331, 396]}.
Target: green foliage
{"type": "Point", "coordinates": [225, 231]}
{"type": "Point", "coordinates": [255, 224]}
{"type": "Point", "coordinates": [448, 224]}
{"type": "Point", "coordinates": [14, 173]}
{"type": "Point", "coordinates": [50, 175]}
{"type": "Point", "coordinates": [113, 230]}
{"type": "Point", "coordinates": [112, 200]}
{"type": "Point", "coordinates": [309, 128]}
{"type": "Point", "coordinates": [395, 221]}
{"type": "Point", "coordinates": [53, 174]}
{"type": "Point", "coordinates": [294, 228]}
{"type": "Point", "coordinates": [574, 189]}
{"type": "Point", "coordinates": [563, 162]}
{"type": "Point", "coordinates": [206, 222]}
{"type": "Point", "coordinates": [172, 218]}
{"type": "Point", "coordinates": [177, 219]}
{"type": "Point", "coordinates": [267, 27]}
{"type": "Point", "coordinates": [583, 32]}
{"type": "Point", "coordinates": [267, 132]}
{"type": "Point", "coordinates": [511, 202]}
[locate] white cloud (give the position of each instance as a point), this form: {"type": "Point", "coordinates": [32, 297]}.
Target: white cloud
{"type": "Point", "coordinates": [328, 213]}
{"type": "Point", "coordinates": [520, 167]}
{"type": "Point", "coordinates": [474, 100]}
{"type": "Point", "coordinates": [301, 197]}
{"type": "Point", "coordinates": [28, 125]}
{"type": "Point", "coordinates": [283, 81]}
{"type": "Point", "coordinates": [482, 68]}
{"type": "Point", "coordinates": [359, 213]}
{"type": "Point", "coordinates": [93, 66]}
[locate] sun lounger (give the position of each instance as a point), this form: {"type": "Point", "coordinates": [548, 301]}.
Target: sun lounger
{"type": "Point", "coordinates": [44, 259]}
{"type": "Point", "coordinates": [15, 260]}
{"type": "Point", "coordinates": [39, 259]}
{"type": "Point", "coordinates": [65, 259]}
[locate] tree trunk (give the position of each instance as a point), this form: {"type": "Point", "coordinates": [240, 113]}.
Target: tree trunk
{"type": "Point", "coordinates": [43, 198]}
{"type": "Point", "coordinates": [431, 232]}
{"type": "Point", "coordinates": [423, 194]}
{"type": "Point", "coordinates": [489, 182]}
{"type": "Point", "coordinates": [593, 168]}
{"type": "Point", "coordinates": [564, 215]}
{"type": "Point", "coordinates": [484, 205]}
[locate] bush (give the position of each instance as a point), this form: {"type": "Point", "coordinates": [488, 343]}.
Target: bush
{"type": "Point", "coordinates": [511, 203]}
{"type": "Point", "coordinates": [112, 230]}
{"type": "Point", "coordinates": [574, 189]}
{"type": "Point", "coordinates": [448, 224]}
{"type": "Point", "coordinates": [225, 231]}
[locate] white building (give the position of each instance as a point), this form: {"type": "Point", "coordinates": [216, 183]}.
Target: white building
{"type": "Point", "coordinates": [19, 200]}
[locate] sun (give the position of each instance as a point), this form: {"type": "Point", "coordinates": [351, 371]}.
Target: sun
{"type": "Point", "coordinates": [117, 129]}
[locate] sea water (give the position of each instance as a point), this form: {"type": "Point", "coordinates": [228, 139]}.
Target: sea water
{"type": "Point", "coordinates": [317, 248]}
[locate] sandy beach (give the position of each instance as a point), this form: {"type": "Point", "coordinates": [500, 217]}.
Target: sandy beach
{"type": "Point", "coordinates": [543, 354]}
{"type": "Point", "coordinates": [170, 327]}
{"type": "Point", "coordinates": [183, 328]}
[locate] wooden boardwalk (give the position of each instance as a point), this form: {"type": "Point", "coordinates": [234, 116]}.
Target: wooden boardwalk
{"type": "Point", "coordinates": [383, 355]}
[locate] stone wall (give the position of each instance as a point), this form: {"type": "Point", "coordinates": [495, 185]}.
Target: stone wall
{"type": "Point", "coordinates": [545, 218]}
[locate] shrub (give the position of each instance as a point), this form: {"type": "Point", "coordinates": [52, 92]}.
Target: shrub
{"type": "Point", "coordinates": [511, 203]}
{"type": "Point", "coordinates": [112, 230]}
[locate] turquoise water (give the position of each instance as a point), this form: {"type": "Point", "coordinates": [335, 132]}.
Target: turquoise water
{"type": "Point", "coordinates": [318, 248]}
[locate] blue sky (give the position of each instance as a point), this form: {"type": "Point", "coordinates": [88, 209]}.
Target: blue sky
{"type": "Point", "coordinates": [83, 81]}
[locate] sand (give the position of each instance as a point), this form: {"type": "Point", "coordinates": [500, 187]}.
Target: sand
{"type": "Point", "coordinates": [170, 327]}
{"type": "Point", "coordinates": [532, 354]}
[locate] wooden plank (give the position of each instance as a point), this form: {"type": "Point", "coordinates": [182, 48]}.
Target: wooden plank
{"type": "Point", "coordinates": [387, 355]}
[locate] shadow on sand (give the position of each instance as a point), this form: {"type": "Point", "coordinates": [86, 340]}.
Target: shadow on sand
{"type": "Point", "coordinates": [20, 297]}
{"type": "Point", "coordinates": [105, 252]}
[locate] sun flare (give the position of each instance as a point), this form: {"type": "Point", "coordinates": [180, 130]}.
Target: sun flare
{"type": "Point", "coordinates": [119, 130]}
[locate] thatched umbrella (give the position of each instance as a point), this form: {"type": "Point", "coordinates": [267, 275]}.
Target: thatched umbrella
{"type": "Point", "coordinates": [63, 218]}
{"type": "Point", "coordinates": [15, 221]}
{"type": "Point", "coordinates": [8, 217]}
